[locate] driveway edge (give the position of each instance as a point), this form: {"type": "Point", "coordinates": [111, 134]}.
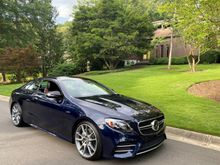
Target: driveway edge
{"type": "Point", "coordinates": [190, 137]}
{"type": "Point", "coordinates": [4, 98]}
{"type": "Point", "coordinates": [195, 138]}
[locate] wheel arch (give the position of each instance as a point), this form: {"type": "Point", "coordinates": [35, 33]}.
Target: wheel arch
{"type": "Point", "coordinates": [81, 120]}
{"type": "Point", "coordinates": [11, 105]}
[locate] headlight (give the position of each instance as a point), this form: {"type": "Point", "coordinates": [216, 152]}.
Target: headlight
{"type": "Point", "coordinates": [120, 125]}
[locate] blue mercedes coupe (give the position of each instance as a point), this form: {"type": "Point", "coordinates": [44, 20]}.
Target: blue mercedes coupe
{"type": "Point", "coordinates": [99, 121]}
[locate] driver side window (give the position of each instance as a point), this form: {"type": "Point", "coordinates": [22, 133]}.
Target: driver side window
{"type": "Point", "coordinates": [48, 86]}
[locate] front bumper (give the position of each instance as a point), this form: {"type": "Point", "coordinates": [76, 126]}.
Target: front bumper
{"type": "Point", "coordinates": [121, 145]}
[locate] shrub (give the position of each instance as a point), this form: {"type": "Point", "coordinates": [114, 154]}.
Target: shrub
{"type": "Point", "coordinates": [121, 64]}
{"type": "Point", "coordinates": [210, 57]}
{"type": "Point", "coordinates": [97, 64]}
{"type": "Point", "coordinates": [12, 78]}
{"type": "Point", "coordinates": [164, 61]}
{"type": "Point", "coordinates": [152, 60]}
{"type": "Point", "coordinates": [179, 60]}
{"type": "Point", "coordinates": [65, 70]}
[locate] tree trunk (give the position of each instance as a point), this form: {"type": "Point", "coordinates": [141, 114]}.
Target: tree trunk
{"type": "Point", "coordinates": [110, 64]}
{"type": "Point", "coordinates": [106, 63]}
{"type": "Point", "coordinates": [18, 77]}
{"type": "Point", "coordinates": [44, 71]}
{"type": "Point", "coordinates": [3, 77]}
{"type": "Point", "coordinates": [189, 63]}
{"type": "Point", "coordinates": [116, 64]}
{"type": "Point", "coordinates": [193, 62]}
{"type": "Point", "coordinates": [171, 50]}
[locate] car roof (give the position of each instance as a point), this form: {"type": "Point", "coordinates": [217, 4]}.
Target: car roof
{"type": "Point", "coordinates": [61, 78]}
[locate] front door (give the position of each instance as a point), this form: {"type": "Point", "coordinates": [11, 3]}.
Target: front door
{"type": "Point", "coordinates": [28, 103]}
{"type": "Point", "coordinates": [54, 114]}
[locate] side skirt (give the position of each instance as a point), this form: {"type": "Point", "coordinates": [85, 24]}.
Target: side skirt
{"type": "Point", "coordinates": [51, 133]}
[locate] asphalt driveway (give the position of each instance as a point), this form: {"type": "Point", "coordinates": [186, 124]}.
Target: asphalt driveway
{"type": "Point", "coordinates": [25, 146]}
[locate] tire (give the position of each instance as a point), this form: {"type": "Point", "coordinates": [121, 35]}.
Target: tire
{"type": "Point", "coordinates": [16, 115]}
{"type": "Point", "coordinates": [87, 140]}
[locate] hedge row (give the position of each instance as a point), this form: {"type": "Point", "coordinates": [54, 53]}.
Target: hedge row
{"type": "Point", "coordinates": [209, 57]}
{"type": "Point", "coordinates": [72, 69]}
{"type": "Point", "coordinates": [164, 60]}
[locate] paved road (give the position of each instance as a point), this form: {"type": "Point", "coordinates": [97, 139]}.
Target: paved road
{"type": "Point", "coordinates": [25, 146]}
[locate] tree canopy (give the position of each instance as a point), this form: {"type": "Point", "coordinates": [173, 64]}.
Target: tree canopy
{"type": "Point", "coordinates": [197, 21]}
{"type": "Point", "coordinates": [111, 30]}
{"type": "Point", "coordinates": [29, 22]}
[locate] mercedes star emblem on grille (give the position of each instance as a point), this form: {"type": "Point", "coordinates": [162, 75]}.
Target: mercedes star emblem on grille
{"type": "Point", "coordinates": [155, 125]}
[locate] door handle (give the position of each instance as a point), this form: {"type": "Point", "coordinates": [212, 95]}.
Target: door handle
{"type": "Point", "coordinates": [68, 112]}
{"type": "Point", "coordinates": [35, 98]}
{"type": "Point", "coordinates": [28, 100]}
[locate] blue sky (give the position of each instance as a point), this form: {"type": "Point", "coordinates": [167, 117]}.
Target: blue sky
{"type": "Point", "coordinates": [64, 8]}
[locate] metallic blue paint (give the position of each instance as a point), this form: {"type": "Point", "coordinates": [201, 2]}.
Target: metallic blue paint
{"type": "Point", "coordinates": [61, 118]}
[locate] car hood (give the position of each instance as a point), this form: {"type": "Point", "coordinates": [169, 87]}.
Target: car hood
{"type": "Point", "coordinates": [121, 106]}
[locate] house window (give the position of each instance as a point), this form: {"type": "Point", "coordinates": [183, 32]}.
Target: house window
{"type": "Point", "coordinates": [161, 50]}
{"type": "Point", "coordinates": [157, 52]}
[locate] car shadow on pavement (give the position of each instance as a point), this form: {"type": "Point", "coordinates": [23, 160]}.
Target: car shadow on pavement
{"type": "Point", "coordinates": [140, 158]}
{"type": "Point", "coordinates": [44, 148]}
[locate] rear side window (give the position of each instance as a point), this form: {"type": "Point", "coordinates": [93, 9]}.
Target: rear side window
{"type": "Point", "coordinates": [32, 86]}
{"type": "Point", "coordinates": [28, 85]}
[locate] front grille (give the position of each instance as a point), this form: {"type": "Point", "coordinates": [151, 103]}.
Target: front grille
{"type": "Point", "coordinates": [145, 126]}
{"type": "Point", "coordinates": [152, 144]}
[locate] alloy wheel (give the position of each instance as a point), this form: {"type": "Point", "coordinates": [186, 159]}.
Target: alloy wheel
{"type": "Point", "coordinates": [16, 114]}
{"type": "Point", "coordinates": [86, 140]}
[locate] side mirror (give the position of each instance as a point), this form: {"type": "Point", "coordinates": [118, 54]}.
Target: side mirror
{"type": "Point", "coordinates": [54, 94]}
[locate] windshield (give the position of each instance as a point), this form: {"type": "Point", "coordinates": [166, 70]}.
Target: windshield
{"type": "Point", "coordinates": [77, 87]}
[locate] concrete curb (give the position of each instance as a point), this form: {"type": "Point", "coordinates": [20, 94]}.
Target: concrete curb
{"type": "Point", "coordinates": [190, 137]}
{"type": "Point", "coordinates": [195, 138]}
{"type": "Point", "coordinates": [4, 98]}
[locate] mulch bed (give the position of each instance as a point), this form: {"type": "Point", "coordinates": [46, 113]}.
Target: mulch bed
{"type": "Point", "coordinates": [209, 89]}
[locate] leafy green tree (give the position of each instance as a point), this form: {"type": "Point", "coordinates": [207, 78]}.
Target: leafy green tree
{"type": "Point", "coordinates": [16, 29]}
{"type": "Point", "coordinates": [30, 22]}
{"type": "Point", "coordinates": [152, 7]}
{"type": "Point", "coordinates": [48, 41]}
{"type": "Point", "coordinates": [198, 22]}
{"type": "Point", "coordinates": [110, 30]}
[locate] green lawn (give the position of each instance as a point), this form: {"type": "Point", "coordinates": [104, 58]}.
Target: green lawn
{"type": "Point", "coordinates": [166, 89]}
{"type": "Point", "coordinates": [7, 89]}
